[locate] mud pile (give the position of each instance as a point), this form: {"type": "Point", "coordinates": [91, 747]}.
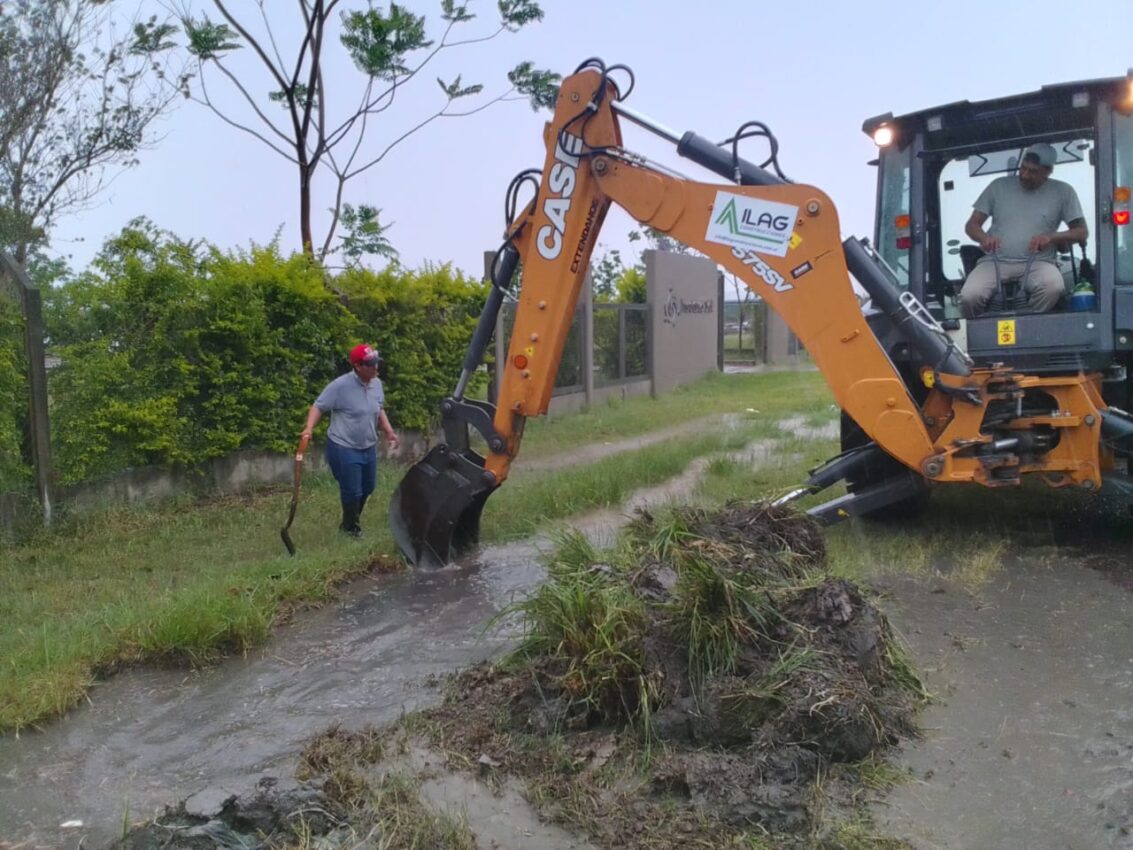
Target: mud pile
{"type": "Point", "coordinates": [710, 647]}
{"type": "Point", "coordinates": [279, 813]}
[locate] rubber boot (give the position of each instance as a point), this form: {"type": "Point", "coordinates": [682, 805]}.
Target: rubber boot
{"type": "Point", "coordinates": [349, 525]}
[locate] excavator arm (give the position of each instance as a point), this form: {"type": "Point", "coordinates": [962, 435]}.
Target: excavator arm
{"type": "Point", "coordinates": [781, 239]}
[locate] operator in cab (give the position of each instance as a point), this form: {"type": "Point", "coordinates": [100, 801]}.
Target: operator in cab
{"type": "Point", "coordinates": [1026, 212]}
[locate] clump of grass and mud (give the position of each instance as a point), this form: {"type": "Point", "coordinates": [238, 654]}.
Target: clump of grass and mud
{"type": "Point", "coordinates": [704, 683]}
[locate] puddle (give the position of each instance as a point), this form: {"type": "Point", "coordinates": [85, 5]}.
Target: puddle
{"type": "Point", "coordinates": [797, 427]}
{"type": "Point", "coordinates": [498, 817]}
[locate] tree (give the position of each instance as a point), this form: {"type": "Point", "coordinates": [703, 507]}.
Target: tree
{"type": "Point", "coordinates": [605, 273]}
{"type": "Point", "coordinates": [631, 286]}
{"type": "Point", "coordinates": [77, 100]}
{"type": "Point", "coordinates": [660, 241]}
{"type": "Point", "coordinates": [746, 300]}
{"type": "Point", "coordinates": [389, 49]}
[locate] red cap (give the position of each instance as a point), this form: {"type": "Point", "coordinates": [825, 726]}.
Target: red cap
{"type": "Point", "coordinates": [363, 354]}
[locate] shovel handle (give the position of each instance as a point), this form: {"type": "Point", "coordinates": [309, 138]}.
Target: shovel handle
{"type": "Point", "coordinates": [304, 441]}
{"type": "Point", "coordinates": [300, 452]}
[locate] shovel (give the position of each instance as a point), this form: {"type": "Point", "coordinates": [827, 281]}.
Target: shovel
{"type": "Point", "coordinates": [283, 532]}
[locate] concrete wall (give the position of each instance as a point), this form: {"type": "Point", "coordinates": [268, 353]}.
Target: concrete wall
{"type": "Point", "coordinates": [231, 474]}
{"type": "Point", "coordinates": [687, 297]}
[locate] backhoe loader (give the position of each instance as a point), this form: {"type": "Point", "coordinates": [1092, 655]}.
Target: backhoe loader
{"type": "Point", "coordinates": [1028, 396]}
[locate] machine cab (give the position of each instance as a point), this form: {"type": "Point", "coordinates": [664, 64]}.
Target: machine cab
{"type": "Point", "coordinates": [934, 164]}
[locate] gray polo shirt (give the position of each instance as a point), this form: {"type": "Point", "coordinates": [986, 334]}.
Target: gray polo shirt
{"type": "Point", "coordinates": [354, 408]}
{"type": "Point", "coordinates": [1018, 214]}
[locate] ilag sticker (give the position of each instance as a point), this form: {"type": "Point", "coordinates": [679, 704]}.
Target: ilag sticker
{"type": "Point", "coordinates": [742, 222]}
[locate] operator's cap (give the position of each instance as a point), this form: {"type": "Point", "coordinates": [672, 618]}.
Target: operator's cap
{"type": "Point", "coordinates": [364, 355]}
{"type": "Point", "coordinates": [1043, 153]}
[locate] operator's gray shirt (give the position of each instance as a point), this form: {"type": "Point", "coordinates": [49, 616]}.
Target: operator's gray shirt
{"type": "Point", "coordinates": [354, 408]}
{"type": "Point", "coordinates": [1018, 214]}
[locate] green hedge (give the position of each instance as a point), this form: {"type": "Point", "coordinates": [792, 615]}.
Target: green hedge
{"type": "Point", "coordinates": [14, 474]}
{"type": "Point", "coordinates": [174, 352]}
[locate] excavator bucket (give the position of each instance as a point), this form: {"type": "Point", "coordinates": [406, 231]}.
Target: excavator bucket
{"type": "Point", "coordinates": [435, 512]}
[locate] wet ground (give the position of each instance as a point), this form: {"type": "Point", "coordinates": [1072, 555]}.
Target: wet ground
{"type": "Point", "coordinates": [148, 738]}
{"type": "Point", "coordinates": [1030, 744]}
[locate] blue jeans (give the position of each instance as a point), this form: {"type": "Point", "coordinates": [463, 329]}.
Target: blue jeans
{"type": "Point", "coordinates": [355, 470]}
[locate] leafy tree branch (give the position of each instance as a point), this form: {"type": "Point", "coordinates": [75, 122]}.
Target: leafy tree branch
{"type": "Point", "coordinates": [79, 95]}
{"type": "Point", "coordinates": [389, 47]}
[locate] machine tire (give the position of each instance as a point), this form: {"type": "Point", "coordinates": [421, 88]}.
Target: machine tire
{"type": "Point", "coordinates": [853, 437]}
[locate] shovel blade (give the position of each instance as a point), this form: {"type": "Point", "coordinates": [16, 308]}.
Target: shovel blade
{"type": "Point", "coordinates": [287, 542]}
{"type": "Point", "coordinates": [285, 532]}
{"type": "Point", "coordinates": [435, 512]}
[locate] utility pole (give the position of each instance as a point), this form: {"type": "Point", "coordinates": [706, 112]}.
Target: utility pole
{"type": "Point", "coordinates": [31, 306]}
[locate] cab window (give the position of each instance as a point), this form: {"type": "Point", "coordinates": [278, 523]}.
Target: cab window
{"type": "Point", "coordinates": [963, 178]}
{"type": "Point", "coordinates": [1123, 160]}
{"type": "Point", "coordinates": [893, 242]}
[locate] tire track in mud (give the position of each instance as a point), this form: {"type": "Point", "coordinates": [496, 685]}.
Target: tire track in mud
{"type": "Point", "coordinates": [599, 451]}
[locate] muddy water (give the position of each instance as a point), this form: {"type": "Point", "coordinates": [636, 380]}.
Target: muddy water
{"type": "Point", "coordinates": [151, 738]}
{"type": "Point", "coordinates": [1030, 744]}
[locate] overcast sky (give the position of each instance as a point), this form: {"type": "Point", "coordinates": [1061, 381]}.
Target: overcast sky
{"type": "Point", "coordinates": [811, 71]}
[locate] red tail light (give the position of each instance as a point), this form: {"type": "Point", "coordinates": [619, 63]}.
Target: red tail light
{"type": "Point", "coordinates": [1121, 197]}
{"type": "Point", "coordinates": [903, 237]}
